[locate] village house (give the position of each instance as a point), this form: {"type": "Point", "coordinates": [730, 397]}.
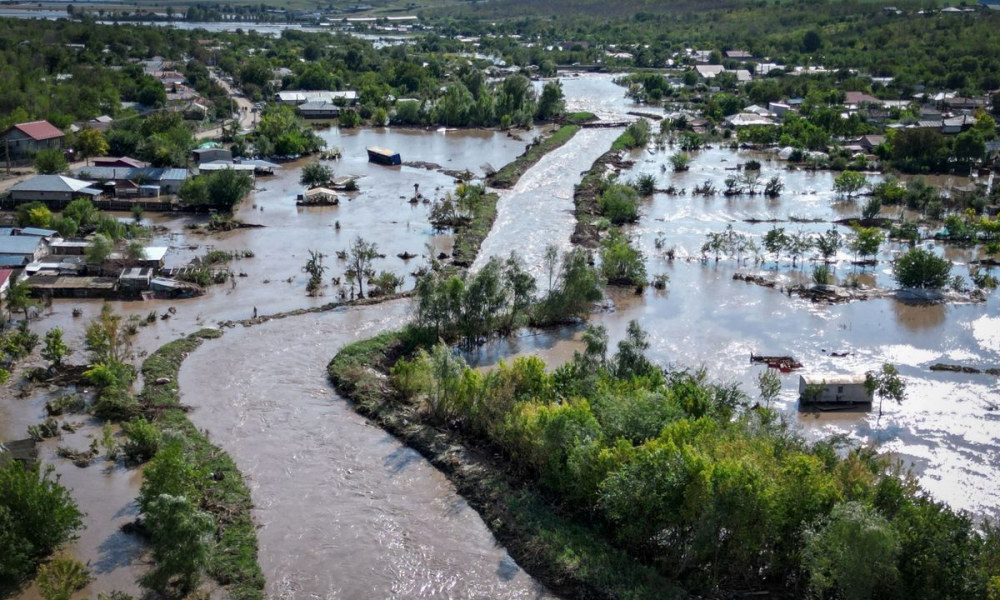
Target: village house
{"type": "Point", "coordinates": [121, 182]}
{"type": "Point", "coordinates": [833, 389]}
{"type": "Point", "coordinates": [24, 140]}
{"type": "Point", "coordinates": [709, 71]}
{"type": "Point", "coordinates": [318, 110]}
{"type": "Point", "coordinates": [957, 124]}
{"type": "Point", "coordinates": [738, 55]}
{"type": "Point", "coordinates": [856, 100]}
{"type": "Point", "coordinates": [297, 97]}
{"type": "Point", "coordinates": [119, 161]}
{"type": "Point", "coordinates": [19, 250]}
{"type": "Point", "coordinates": [6, 278]}
{"type": "Point", "coordinates": [54, 190]}
{"type": "Point", "coordinates": [748, 119]}
{"type": "Point", "coordinates": [778, 108]}
{"type": "Point", "coordinates": [202, 155]}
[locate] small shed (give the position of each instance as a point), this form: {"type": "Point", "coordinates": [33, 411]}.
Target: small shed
{"type": "Point", "coordinates": [135, 280]}
{"type": "Point", "coordinates": [200, 155]}
{"type": "Point", "coordinates": [833, 388]}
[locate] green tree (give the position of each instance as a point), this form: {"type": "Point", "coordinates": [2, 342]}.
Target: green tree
{"type": "Point", "coordinates": [91, 142]}
{"type": "Point", "coordinates": [920, 268]}
{"type": "Point", "coordinates": [82, 211]}
{"type": "Point", "coordinates": [228, 187]}
{"type": "Point", "coordinates": [811, 41]}
{"type": "Point", "coordinates": [19, 299]}
{"type": "Point", "coordinates": [769, 385]}
{"type": "Point", "coordinates": [315, 269]}
{"type": "Point", "coordinates": [51, 162]}
{"type": "Point", "coordinates": [194, 191]}
{"type": "Point", "coordinates": [316, 175]}
{"type": "Point", "coordinates": [829, 244]}
{"type": "Point", "coordinates": [621, 263]}
{"type": "Point", "coordinates": [360, 256]}
{"type": "Point", "coordinates": [620, 204]}
{"type": "Point", "coordinates": [37, 515]}
{"type": "Point", "coordinates": [180, 544]}
{"type": "Point", "coordinates": [98, 251]}
{"type": "Point", "coordinates": [970, 147]}
{"type": "Point", "coordinates": [776, 241]}
{"type": "Point", "coordinates": [851, 554]}
{"type": "Point", "coordinates": [849, 183]}
{"type": "Point", "coordinates": [866, 241]}
{"type": "Point", "coordinates": [551, 104]}
{"type": "Point", "coordinates": [55, 349]}
{"type": "Point", "coordinates": [886, 384]}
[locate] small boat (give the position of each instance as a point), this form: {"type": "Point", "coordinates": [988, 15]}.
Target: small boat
{"type": "Point", "coordinates": [383, 156]}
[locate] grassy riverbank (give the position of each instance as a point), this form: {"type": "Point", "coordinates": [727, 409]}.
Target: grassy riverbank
{"type": "Point", "coordinates": [587, 194]}
{"type": "Point", "coordinates": [233, 558]}
{"type": "Point", "coordinates": [509, 175]}
{"type": "Point", "coordinates": [469, 238]}
{"type": "Point", "coordinates": [570, 557]}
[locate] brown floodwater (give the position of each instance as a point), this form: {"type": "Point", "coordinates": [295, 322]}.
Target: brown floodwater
{"type": "Point", "coordinates": [345, 510]}
{"type": "Point", "coordinates": [348, 512]}
{"type": "Point", "coordinates": [273, 282]}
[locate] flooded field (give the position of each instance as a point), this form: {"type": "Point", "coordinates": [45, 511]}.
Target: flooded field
{"type": "Point", "coordinates": [348, 512]}
{"type": "Point", "coordinates": [947, 430]}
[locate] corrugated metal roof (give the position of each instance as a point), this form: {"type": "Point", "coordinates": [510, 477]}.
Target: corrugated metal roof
{"type": "Point", "coordinates": [50, 183]}
{"type": "Point", "coordinates": [39, 130]}
{"type": "Point", "coordinates": [13, 261]}
{"type": "Point", "coordinates": [129, 173]}
{"type": "Point", "coordinates": [37, 231]}
{"type": "Point", "coordinates": [19, 244]}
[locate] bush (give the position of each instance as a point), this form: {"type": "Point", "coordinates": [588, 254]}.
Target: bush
{"type": "Point", "coordinates": [37, 514]}
{"type": "Point", "coordinates": [620, 204]}
{"type": "Point", "coordinates": [920, 268]}
{"type": "Point", "coordinates": [621, 263]}
{"type": "Point", "coordinates": [645, 184]}
{"type": "Point", "coordinates": [179, 534]}
{"type": "Point", "coordinates": [59, 579]}
{"type": "Point", "coordinates": [853, 552]}
{"type": "Point", "coordinates": [822, 275]}
{"type": "Point", "coordinates": [142, 440]}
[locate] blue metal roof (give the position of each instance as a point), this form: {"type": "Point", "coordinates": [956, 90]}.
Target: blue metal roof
{"type": "Point", "coordinates": [37, 231]}
{"type": "Point", "coordinates": [128, 173]}
{"type": "Point", "coordinates": [24, 245]}
{"type": "Point", "coordinates": [13, 261]}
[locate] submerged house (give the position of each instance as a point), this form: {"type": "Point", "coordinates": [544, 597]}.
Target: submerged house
{"type": "Point", "coordinates": [833, 389]}
{"type": "Point", "coordinates": [383, 156]}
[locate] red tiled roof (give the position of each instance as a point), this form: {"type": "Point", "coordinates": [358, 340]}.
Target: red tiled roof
{"type": "Point", "coordinates": [5, 275]}
{"type": "Point", "coordinates": [39, 130]}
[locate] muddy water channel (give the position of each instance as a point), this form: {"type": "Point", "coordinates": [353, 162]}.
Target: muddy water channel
{"type": "Point", "coordinates": [345, 510]}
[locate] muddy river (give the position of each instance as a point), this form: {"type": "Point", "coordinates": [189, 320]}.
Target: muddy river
{"type": "Point", "coordinates": [345, 511]}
